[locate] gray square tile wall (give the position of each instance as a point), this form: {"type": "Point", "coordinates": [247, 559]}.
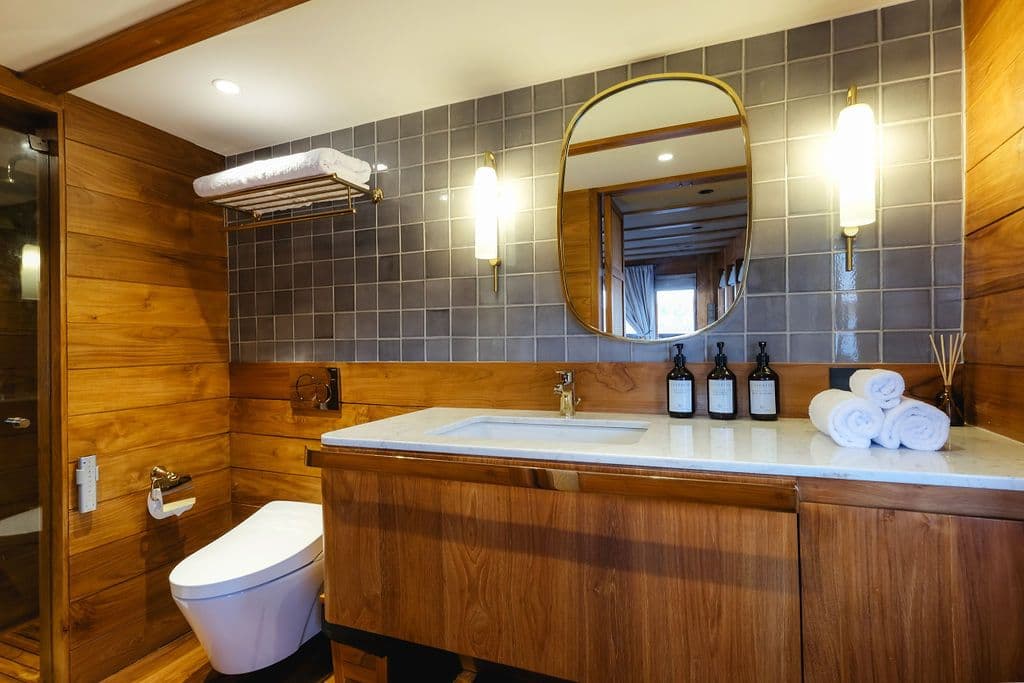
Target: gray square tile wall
{"type": "Point", "coordinates": [398, 282]}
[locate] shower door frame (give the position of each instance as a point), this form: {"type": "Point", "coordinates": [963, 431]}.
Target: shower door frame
{"type": "Point", "coordinates": [23, 104]}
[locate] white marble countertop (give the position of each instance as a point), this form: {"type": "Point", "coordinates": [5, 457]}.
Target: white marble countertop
{"type": "Point", "coordinates": [791, 447]}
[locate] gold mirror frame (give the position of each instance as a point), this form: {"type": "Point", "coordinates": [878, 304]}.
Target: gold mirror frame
{"type": "Point", "coordinates": [586, 106]}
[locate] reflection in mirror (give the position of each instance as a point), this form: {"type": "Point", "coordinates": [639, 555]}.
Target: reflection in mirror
{"type": "Point", "coordinates": [654, 208]}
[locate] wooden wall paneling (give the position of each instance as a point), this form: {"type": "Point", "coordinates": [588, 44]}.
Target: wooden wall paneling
{"type": "Point", "coordinates": [992, 72]}
{"type": "Point", "coordinates": [110, 564]}
{"type": "Point", "coordinates": [272, 453]}
{"type": "Point", "coordinates": [995, 185]}
{"type": "Point", "coordinates": [165, 229]}
{"type": "Point", "coordinates": [993, 398]}
{"type": "Point", "coordinates": [123, 430]}
{"type": "Point", "coordinates": [131, 303]}
{"type": "Point", "coordinates": [148, 377]}
{"type": "Point", "coordinates": [606, 387]}
{"type": "Point", "coordinates": [99, 257]}
{"type": "Point", "coordinates": [277, 418]}
{"type": "Point", "coordinates": [129, 471]}
{"type": "Point", "coordinates": [107, 389]}
{"type": "Point", "coordinates": [994, 63]}
{"type": "Point", "coordinates": [103, 345]}
{"type": "Point", "coordinates": [105, 129]}
{"type": "Point", "coordinates": [257, 488]}
{"type": "Point", "coordinates": [127, 515]}
{"type": "Point", "coordinates": [91, 168]}
{"type": "Point", "coordinates": [138, 615]}
{"type": "Point", "coordinates": [996, 322]}
{"type": "Point", "coordinates": [996, 106]}
{"type": "Point", "coordinates": [580, 254]}
{"type": "Point", "coordinates": [892, 595]}
{"type": "Point", "coordinates": [992, 258]}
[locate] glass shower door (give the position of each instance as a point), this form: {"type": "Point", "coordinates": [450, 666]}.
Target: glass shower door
{"type": "Point", "coordinates": [23, 209]}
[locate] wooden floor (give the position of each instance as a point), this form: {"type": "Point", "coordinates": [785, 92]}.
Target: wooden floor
{"type": "Point", "coordinates": [183, 661]}
{"type": "Point", "coordinates": [19, 652]}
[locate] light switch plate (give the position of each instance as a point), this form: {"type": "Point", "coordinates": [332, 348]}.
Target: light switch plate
{"type": "Point", "coordinates": [86, 475]}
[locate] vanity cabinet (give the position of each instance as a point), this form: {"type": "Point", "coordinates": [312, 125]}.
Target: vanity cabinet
{"type": "Point", "coordinates": [580, 575]}
{"type": "Point", "coordinates": [893, 595]}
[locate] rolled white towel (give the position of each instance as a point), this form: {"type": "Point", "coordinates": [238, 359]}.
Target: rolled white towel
{"type": "Point", "coordinates": [882, 387]}
{"type": "Point", "coordinates": [851, 421]}
{"type": "Point", "coordinates": [257, 174]}
{"type": "Point", "coordinates": [916, 425]}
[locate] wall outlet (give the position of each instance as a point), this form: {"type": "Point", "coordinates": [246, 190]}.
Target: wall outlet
{"type": "Point", "coordinates": [839, 378]}
{"type": "Point", "coordinates": [86, 475]}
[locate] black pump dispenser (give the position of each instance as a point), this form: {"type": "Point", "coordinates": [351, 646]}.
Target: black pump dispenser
{"type": "Point", "coordinates": [763, 385]}
{"type": "Point", "coordinates": [680, 387]}
{"type": "Point", "coordinates": [721, 388]}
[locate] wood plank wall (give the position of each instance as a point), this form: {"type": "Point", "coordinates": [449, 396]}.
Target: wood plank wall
{"type": "Point", "coordinates": [269, 437]}
{"type": "Point", "coordinates": [147, 384]}
{"type": "Point", "coordinates": [994, 222]}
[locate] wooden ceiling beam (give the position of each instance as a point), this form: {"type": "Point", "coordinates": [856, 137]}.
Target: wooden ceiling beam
{"type": "Point", "coordinates": [681, 208]}
{"type": "Point", "coordinates": [714, 175]}
{"type": "Point", "coordinates": [687, 221]}
{"type": "Point", "coordinates": [157, 36]}
{"type": "Point", "coordinates": [734, 222]}
{"type": "Point", "coordinates": [642, 137]}
{"type": "Point", "coordinates": [636, 259]}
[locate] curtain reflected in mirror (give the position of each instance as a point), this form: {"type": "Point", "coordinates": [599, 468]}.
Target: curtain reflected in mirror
{"type": "Point", "coordinates": [654, 207]}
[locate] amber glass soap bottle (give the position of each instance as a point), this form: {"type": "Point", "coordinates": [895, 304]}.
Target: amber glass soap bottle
{"type": "Point", "coordinates": [721, 388]}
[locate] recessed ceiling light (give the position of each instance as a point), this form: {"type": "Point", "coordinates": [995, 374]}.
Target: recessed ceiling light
{"type": "Point", "coordinates": [380, 167]}
{"type": "Point", "coordinates": [665, 156]}
{"type": "Point", "coordinates": [707, 190]}
{"type": "Point", "coordinates": [443, 198]}
{"type": "Point", "coordinates": [225, 86]}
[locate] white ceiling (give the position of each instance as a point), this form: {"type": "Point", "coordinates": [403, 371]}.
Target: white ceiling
{"type": "Point", "coordinates": [329, 64]}
{"type": "Point", "coordinates": [34, 31]}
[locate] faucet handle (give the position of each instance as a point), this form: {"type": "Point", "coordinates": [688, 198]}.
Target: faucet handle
{"type": "Point", "coordinates": [566, 376]}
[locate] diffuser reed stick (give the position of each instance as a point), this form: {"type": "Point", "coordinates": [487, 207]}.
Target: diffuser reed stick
{"type": "Point", "coordinates": [948, 357]}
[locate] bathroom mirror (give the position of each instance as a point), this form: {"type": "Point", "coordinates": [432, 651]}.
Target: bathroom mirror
{"type": "Point", "coordinates": [654, 207]}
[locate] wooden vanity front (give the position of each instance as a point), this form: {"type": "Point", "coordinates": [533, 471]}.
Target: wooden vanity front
{"type": "Point", "coordinates": [575, 573]}
{"type": "Point", "coordinates": [609, 573]}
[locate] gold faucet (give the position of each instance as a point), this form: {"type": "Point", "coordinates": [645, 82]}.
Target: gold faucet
{"type": "Point", "coordinates": [566, 390]}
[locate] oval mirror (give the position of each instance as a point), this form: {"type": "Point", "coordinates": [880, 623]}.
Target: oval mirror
{"type": "Point", "coordinates": [654, 207]}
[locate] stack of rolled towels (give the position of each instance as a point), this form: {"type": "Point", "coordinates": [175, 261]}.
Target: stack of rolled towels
{"type": "Point", "coordinates": [875, 410]}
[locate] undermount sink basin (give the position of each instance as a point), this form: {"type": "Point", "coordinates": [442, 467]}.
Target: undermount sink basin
{"type": "Point", "coordinates": [550, 429]}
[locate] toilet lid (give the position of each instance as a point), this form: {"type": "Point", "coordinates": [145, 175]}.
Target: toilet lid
{"type": "Point", "coordinates": [277, 539]}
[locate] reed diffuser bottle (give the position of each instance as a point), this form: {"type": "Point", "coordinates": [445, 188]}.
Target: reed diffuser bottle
{"type": "Point", "coordinates": [948, 358]}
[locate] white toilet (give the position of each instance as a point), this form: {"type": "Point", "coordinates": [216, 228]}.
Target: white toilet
{"type": "Point", "coordinates": [252, 596]}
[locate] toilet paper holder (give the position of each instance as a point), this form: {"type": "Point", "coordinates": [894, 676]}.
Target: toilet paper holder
{"type": "Point", "coordinates": [162, 481]}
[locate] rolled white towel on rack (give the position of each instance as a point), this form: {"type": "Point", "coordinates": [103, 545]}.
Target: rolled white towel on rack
{"type": "Point", "coordinates": [851, 421]}
{"type": "Point", "coordinates": [882, 387]}
{"type": "Point", "coordinates": [257, 174]}
{"type": "Point", "coordinates": [914, 424]}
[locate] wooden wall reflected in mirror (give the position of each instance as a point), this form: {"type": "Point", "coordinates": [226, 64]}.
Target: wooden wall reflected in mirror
{"type": "Point", "coordinates": [654, 209]}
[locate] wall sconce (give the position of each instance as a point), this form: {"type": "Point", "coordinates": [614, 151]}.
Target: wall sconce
{"type": "Point", "coordinates": [485, 208]}
{"type": "Point", "coordinates": [854, 147]}
{"type": "Point", "coordinates": [30, 262]}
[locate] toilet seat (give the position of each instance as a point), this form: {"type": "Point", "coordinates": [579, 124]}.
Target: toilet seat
{"type": "Point", "coordinates": [278, 539]}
